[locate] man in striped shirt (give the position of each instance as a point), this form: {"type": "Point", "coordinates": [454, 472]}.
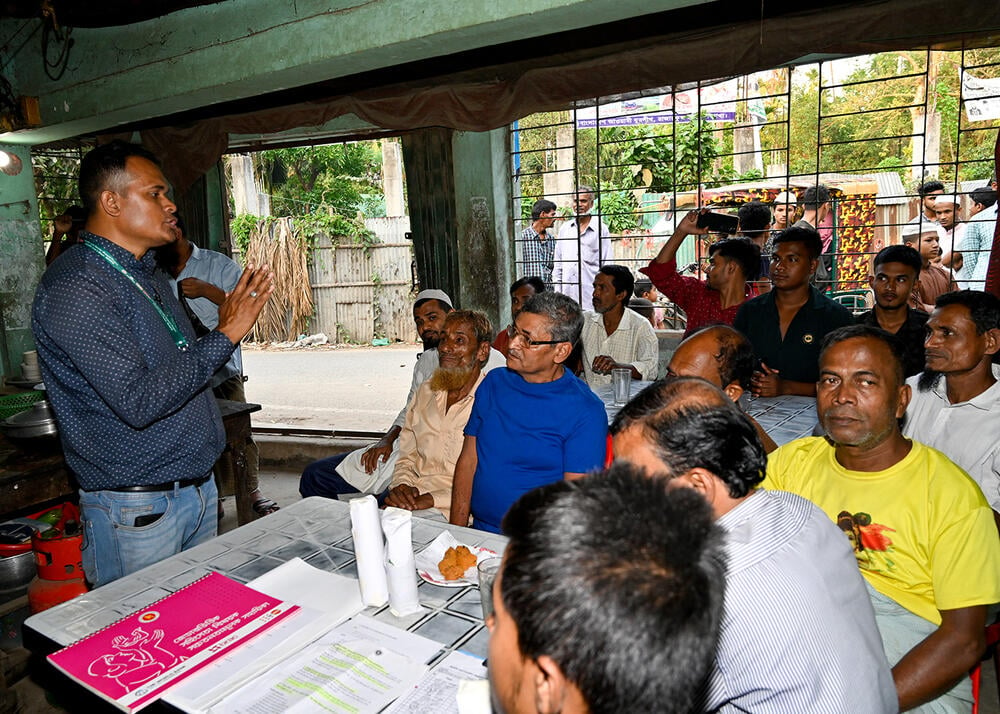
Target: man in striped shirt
{"type": "Point", "coordinates": [798, 630]}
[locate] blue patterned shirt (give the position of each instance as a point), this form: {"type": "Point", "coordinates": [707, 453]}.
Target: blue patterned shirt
{"type": "Point", "coordinates": [538, 250]}
{"type": "Point", "coordinates": [132, 408]}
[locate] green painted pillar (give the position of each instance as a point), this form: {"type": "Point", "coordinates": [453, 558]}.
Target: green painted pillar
{"type": "Point", "coordinates": [21, 261]}
{"type": "Point", "coordinates": [482, 208]}
{"type": "Point", "coordinates": [458, 184]}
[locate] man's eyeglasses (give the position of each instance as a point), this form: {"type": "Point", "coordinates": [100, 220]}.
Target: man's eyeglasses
{"type": "Point", "coordinates": [533, 343]}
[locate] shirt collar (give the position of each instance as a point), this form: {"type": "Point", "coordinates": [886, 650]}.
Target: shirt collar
{"type": "Point", "coordinates": [987, 400]}
{"type": "Point", "coordinates": [145, 265]}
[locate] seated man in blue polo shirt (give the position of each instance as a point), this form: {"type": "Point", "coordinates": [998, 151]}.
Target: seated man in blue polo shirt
{"type": "Point", "coordinates": [533, 423]}
{"type": "Point", "coordinates": [787, 325]}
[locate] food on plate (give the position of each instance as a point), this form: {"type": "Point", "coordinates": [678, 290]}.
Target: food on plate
{"type": "Point", "coordinates": [456, 561]}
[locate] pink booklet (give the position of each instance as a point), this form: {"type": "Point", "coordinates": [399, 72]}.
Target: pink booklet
{"type": "Point", "coordinates": [137, 659]}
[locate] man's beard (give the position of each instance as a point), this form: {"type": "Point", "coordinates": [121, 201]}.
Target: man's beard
{"type": "Point", "coordinates": [449, 379]}
{"type": "Point", "coordinates": [927, 379]}
{"type": "Point", "coordinates": [431, 341]}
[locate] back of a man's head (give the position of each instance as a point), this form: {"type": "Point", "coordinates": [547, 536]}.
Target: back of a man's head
{"type": "Point", "coordinates": [741, 250]}
{"type": "Point", "coordinates": [563, 313]}
{"type": "Point", "coordinates": [103, 168]}
{"type": "Point", "coordinates": [755, 217]}
{"type": "Point", "coordinates": [620, 582]}
{"type": "Point", "coordinates": [691, 423]}
{"type": "Point", "coordinates": [807, 236]}
{"type": "Point", "coordinates": [734, 355]}
{"type": "Point", "coordinates": [984, 196]}
{"type": "Point", "coordinates": [815, 196]}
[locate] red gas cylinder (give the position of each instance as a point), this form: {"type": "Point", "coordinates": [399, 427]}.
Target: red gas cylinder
{"type": "Point", "coordinates": [60, 570]}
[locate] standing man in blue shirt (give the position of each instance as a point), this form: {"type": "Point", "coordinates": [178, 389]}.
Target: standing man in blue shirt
{"type": "Point", "coordinates": [127, 378]}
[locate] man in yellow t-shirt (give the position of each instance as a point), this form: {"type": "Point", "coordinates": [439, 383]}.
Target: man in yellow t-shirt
{"type": "Point", "coordinates": [922, 532]}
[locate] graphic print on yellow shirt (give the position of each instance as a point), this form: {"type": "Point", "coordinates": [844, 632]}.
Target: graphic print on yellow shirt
{"type": "Point", "coordinates": [872, 547]}
{"type": "Point", "coordinates": [923, 533]}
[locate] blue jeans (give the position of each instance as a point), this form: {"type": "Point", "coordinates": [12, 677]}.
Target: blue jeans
{"type": "Point", "coordinates": [114, 546]}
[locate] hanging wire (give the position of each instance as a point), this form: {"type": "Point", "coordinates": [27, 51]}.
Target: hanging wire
{"type": "Point", "coordinates": [53, 34]}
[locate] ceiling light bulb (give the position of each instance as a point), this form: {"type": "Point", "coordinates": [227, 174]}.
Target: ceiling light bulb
{"type": "Point", "coordinates": [10, 164]}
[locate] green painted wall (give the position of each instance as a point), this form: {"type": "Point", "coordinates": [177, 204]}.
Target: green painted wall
{"type": "Point", "coordinates": [21, 261]}
{"type": "Point", "coordinates": [244, 48]}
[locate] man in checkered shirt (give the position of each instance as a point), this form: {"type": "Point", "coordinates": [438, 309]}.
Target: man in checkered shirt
{"type": "Point", "coordinates": [538, 245]}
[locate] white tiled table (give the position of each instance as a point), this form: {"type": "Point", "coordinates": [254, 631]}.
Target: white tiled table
{"type": "Point", "coordinates": [784, 418]}
{"type": "Point", "coordinates": [318, 530]}
{"type": "Point", "coordinates": [607, 395]}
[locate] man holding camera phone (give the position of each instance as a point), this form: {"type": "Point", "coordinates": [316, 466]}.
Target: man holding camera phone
{"type": "Point", "coordinates": [732, 262]}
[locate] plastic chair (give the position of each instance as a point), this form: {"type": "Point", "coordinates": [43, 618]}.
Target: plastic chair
{"type": "Point", "coordinates": [992, 638]}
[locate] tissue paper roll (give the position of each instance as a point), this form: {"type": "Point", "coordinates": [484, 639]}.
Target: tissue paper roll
{"type": "Point", "coordinates": [369, 551]}
{"type": "Point", "coordinates": [399, 566]}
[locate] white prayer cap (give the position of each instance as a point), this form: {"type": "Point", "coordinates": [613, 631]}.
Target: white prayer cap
{"type": "Point", "coordinates": [786, 197]}
{"type": "Point", "coordinates": [947, 199]}
{"type": "Point", "coordinates": [439, 295]}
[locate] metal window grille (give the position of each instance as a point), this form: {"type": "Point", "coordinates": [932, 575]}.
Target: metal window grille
{"type": "Point", "coordinates": [56, 170]}
{"type": "Point", "coordinates": [871, 128]}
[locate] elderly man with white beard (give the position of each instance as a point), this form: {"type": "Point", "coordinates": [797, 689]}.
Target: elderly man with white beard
{"type": "Point", "coordinates": [433, 432]}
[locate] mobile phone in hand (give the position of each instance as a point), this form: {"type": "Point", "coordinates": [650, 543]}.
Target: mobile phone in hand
{"type": "Point", "coordinates": [718, 222]}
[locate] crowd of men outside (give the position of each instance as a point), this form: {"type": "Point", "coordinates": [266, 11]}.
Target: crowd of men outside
{"type": "Point", "coordinates": [669, 556]}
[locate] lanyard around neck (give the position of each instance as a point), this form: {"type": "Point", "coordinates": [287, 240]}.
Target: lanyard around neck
{"type": "Point", "coordinates": [179, 339]}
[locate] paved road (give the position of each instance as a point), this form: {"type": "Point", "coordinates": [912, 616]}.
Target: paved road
{"type": "Point", "coordinates": [354, 388]}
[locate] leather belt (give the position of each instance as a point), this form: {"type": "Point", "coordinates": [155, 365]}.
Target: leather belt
{"type": "Point", "coordinates": [169, 486]}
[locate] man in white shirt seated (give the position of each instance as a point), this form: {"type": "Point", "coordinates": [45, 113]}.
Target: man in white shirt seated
{"type": "Point", "coordinates": [608, 600]}
{"type": "Point", "coordinates": [614, 336]}
{"type": "Point", "coordinates": [798, 629]}
{"type": "Point", "coordinates": [956, 400]}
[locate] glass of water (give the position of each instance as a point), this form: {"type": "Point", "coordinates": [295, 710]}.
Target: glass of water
{"type": "Point", "coordinates": [488, 570]}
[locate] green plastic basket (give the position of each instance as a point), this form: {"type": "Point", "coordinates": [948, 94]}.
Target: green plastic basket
{"type": "Point", "coordinates": [17, 403]}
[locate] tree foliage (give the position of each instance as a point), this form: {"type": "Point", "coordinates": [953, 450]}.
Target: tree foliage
{"type": "Point", "coordinates": [343, 178]}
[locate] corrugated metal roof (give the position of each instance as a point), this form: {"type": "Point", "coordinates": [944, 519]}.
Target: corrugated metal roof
{"type": "Point", "coordinates": [891, 191]}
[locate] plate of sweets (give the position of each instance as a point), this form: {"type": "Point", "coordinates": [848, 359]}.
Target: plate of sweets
{"type": "Point", "coordinates": [450, 564]}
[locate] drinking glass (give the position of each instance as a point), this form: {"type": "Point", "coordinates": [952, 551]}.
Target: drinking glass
{"type": "Point", "coordinates": [488, 570]}
{"type": "Point", "coordinates": [621, 383]}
